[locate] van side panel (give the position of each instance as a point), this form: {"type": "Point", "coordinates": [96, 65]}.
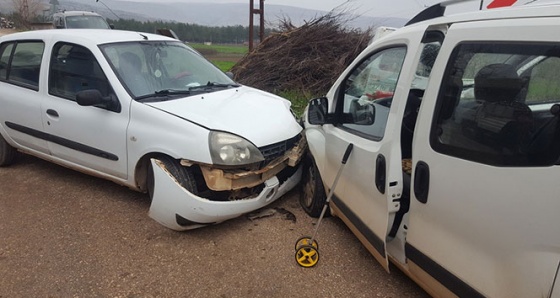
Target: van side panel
{"type": "Point", "coordinates": [487, 227]}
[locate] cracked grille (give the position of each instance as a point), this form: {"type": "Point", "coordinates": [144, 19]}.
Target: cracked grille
{"type": "Point", "coordinates": [273, 151]}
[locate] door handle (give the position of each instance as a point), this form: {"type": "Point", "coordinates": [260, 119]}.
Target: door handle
{"type": "Point", "coordinates": [380, 173]}
{"type": "Point", "coordinates": [52, 112]}
{"type": "Point", "coordinates": [422, 182]}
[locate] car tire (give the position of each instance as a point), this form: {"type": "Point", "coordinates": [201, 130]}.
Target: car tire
{"type": "Point", "coordinates": [313, 197]}
{"type": "Point", "coordinates": [7, 153]}
{"type": "Point", "coordinates": [183, 175]}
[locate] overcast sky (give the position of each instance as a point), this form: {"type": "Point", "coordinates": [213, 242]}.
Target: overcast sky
{"type": "Point", "coordinates": [379, 8]}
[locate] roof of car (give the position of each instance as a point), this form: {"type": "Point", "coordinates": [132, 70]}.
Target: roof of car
{"type": "Point", "coordinates": [91, 36]}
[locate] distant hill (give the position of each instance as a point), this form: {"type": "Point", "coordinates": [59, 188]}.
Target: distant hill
{"type": "Point", "coordinates": [207, 14]}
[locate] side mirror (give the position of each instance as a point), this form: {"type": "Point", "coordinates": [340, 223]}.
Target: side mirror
{"type": "Point", "coordinates": [229, 74]}
{"type": "Point", "coordinates": [93, 97]}
{"type": "Point", "coordinates": [361, 114]}
{"type": "Point", "coordinates": [112, 26]}
{"type": "Point", "coordinates": [317, 111]}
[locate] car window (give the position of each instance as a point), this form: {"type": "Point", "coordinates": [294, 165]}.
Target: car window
{"type": "Point", "coordinates": [147, 67]}
{"type": "Point", "coordinates": [74, 69]}
{"type": "Point", "coordinates": [499, 104]}
{"type": "Point", "coordinates": [6, 53]}
{"type": "Point", "coordinates": [373, 82]}
{"type": "Point", "coordinates": [20, 63]}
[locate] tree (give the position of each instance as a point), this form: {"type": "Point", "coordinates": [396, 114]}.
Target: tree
{"type": "Point", "coordinates": [28, 10]}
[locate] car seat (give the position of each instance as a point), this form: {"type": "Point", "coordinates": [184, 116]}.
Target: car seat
{"type": "Point", "coordinates": [130, 70]}
{"type": "Point", "coordinates": [502, 120]}
{"type": "Point", "coordinates": [78, 69]}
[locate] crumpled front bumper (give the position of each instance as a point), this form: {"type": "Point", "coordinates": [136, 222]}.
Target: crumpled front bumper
{"type": "Point", "coordinates": [172, 203]}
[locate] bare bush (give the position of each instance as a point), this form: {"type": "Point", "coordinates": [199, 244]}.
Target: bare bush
{"type": "Point", "coordinates": [308, 58]}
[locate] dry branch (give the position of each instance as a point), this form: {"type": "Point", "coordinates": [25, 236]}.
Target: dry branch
{"type": "Point", "coordinates": [308, 58]}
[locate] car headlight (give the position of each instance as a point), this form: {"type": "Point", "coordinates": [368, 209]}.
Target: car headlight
{"type": "Point", "coordinates": [229, 149]}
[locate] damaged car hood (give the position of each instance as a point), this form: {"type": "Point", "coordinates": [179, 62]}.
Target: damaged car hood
{"type": "Point", "coordinates": [244, 111]}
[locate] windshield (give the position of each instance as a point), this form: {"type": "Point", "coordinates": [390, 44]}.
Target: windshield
{"type": "Point", "coordinates": [157, 68]}
{"type": "Point", "coordinates": [88, 22]}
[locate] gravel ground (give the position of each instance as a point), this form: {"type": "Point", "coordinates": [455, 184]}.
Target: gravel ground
{"type": "Point", "coordinates": [65, 234]}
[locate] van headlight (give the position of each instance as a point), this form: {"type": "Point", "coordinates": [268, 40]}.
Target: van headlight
{"type": "Point", "coordinates": [229, 149]}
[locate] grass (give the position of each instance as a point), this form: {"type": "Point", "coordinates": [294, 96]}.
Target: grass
{"type": "Point", "coordinates": [298, 99]}
{"type": "Point", "coordinates": [223, 65]}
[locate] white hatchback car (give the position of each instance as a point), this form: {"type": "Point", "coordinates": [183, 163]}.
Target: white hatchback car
{"type": "Point", "coordinates": [150, 113]}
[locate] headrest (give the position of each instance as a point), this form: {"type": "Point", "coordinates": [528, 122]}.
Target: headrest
{"type": "Point", "coordinates": [497, 82]}
{"type": "Point", "coordinates": [132, 59]}
{"type": "Point", "coordinates": [79, 61]}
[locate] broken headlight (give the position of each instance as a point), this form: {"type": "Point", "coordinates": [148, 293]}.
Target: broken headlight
{"type": "Point", "coordinates": [229, 149]}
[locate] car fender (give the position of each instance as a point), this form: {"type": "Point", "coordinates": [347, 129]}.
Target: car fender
{"type": "Point", "coordinates": [316, 143]}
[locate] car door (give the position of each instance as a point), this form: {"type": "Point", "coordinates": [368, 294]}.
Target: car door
{"type": "Point", "coordinates": [20, 65]}
{"type": "Point", "coordinates": [484, 214]}
{"type": "Point", "coordinates": [370, 185]}
{"type": "Point", "coordinates": [91, 137]}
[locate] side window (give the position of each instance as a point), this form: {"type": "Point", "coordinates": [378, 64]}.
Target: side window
{"type": "Point", "coordinates": [5, 54]}
{"type": "Point", "coordinates": [373, 82]}
{"type": "Point", "coordinates": [74, 69]}
{"type": "Point", "coordinates": [499, 105]}
{"type": "Point", "coordinates": [20, 63]}
{"type": "Point", "coordinates": [540, 89]}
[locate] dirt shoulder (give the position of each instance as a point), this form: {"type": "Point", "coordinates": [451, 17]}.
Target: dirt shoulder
{"type": "Point", "coordinates": [7, 31]}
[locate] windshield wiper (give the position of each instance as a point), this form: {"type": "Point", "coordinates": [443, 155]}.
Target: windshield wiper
{"type": "Point", "coordinates": [156, 96]}
{"type": "Point", "coordinates": [212, 85]}
{"type": "Point", "coordinates": [172, 92]}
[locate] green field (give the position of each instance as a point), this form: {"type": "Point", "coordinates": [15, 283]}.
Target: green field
{"type": "Point", "coordinates": [240, 50]}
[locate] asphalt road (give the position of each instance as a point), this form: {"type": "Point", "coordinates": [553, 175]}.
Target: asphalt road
{"type": "Point", "coordinates": [66, 234]}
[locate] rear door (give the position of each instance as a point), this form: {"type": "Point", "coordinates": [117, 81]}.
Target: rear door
{"type": "Point", "coordinates": [20, 65]}
{"type": "Point", "coordinates": [483, 216]}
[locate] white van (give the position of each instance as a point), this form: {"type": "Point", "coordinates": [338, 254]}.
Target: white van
{"type": "Point", "coordinates": [79, 20]}
{"type": "Point", "coordinates": [455, 168]}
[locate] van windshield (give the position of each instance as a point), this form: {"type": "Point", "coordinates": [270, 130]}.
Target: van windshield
{"type": "Point", "coordinates": [88, 22]}
{"type": "Point", "coordinates": [150, 70]}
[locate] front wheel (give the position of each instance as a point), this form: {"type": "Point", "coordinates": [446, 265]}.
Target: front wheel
{"type": "Point", "coordinates": [313, 198]}
{"type": "Point", "coordinates": [7, 153]}
{"type": "Point", "coordinates": [182, 174]}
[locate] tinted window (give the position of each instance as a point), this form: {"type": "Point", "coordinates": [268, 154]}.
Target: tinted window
{"type": "Point", "coordinates": [73, 69]}
{"type": "Point", "coordinates": [22, 64]}
{"type": "Point", "coordinates": [6, 53]}
{"type": "Point", "coordinates": [373, 82]}
{"type": "Point", "coordinates": [499, 105]}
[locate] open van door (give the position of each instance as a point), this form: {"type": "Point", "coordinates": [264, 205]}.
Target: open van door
{"type": "Point", "coordinates": [367, 195]}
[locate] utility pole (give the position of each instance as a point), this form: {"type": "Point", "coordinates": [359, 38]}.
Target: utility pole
{"type": "Point", "coordinates": [252, 12]}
